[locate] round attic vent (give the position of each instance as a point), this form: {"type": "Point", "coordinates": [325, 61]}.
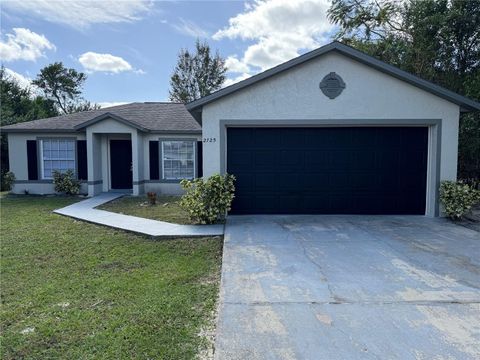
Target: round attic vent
{"type": "Point", "coordinates": [332, 85]}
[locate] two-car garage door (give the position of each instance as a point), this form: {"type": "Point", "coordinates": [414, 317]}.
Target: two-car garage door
{"type": "Point", "coordinates": [329, 170]}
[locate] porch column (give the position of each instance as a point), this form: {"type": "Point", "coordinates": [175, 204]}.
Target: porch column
{"type": "Point", "coordinates": [137, 162]}
{"type": "Point", "coordinates": [94, 161]}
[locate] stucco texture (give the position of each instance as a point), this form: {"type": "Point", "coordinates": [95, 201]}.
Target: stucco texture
{"type": "Point", "coordinates": [294, 98]}
{"type": "Point", "coordinates": [295, 95]}
{"type": "Point", "coordinates": [97, 136]}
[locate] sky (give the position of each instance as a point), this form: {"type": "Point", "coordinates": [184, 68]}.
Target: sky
{"type": "Point", "coordinates": [129, 48]}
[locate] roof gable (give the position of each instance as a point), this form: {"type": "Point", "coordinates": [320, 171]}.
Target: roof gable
{"type": "Point", "coordinates": [109, 115]}
{"type": "Point", "coordinates": [465, 104]}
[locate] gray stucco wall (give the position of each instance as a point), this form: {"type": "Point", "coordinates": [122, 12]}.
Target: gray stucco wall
{"type": "Point", "coordinates": [294, 98]}
{"type": "Point", "coordinates": [17, 152]}
{"type": "Point", "coordinates": [157, 185]}
{"type": "Point", "coordinates": [99, 164]}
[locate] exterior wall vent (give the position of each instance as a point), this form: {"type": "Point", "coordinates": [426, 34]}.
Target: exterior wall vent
{"type": "Point", "coordinates": [332, 85]}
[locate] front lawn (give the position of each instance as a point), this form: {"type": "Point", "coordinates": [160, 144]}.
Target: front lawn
{"type": "Point", "coordinates": [74, 290]}
{"type": "Point", "coordinates": [167, 208]}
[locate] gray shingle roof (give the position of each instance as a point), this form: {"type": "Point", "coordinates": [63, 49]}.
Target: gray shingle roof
{"type": "Point", "coordinates": [148, 116]}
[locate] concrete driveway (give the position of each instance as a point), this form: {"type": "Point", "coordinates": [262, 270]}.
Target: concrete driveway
{"type": "Point", "coordinates": [349, 287]}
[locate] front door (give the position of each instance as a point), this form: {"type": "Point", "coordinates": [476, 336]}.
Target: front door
{"type": "Point", "coordinates": [121, 164]}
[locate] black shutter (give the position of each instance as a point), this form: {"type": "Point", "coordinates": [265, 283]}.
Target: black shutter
{"type": "Point", "coordinates": [82, 165]}
{"type": "Point", "coordinates": [199, 159]}
{"type": "Point", "coordinates": [154, 160]}
{"type": "Point", "coordinates": [32, 160]}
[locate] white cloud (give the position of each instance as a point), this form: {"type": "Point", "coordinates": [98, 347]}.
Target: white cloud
{"type": "Point", "coordinates": [189, 28]}
{"type": "Point", "coordinates": [81, 14]}
{"type": "Point", "coordinates": [236, 66]}
{"type": "Point", "coordinates": [231, 81]}
{"type": "Point", "coordinates": [24, 44]}
{"type": "Point", "coordinates": [280, 29]}
{"type": "Point", "coordinates": [92, 61]}
{"type": "Point", "coordinates": [107, 104]}
{"type": "Point", "coordinates": [21, 80]}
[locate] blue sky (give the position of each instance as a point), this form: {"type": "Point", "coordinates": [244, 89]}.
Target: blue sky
{"type": "Point", "coordinates": [129, 48]}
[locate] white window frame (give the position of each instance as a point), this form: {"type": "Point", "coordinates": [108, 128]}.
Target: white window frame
{"type": "Point", "coordinates": [162, 159]}
{"type": "Point", "coordinates": [42, 159]}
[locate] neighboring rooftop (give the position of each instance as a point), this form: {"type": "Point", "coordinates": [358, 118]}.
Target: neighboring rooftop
{"type": "Point", "coordinates": [146, 116]}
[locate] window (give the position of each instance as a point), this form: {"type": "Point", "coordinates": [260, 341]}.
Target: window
{"type": "Point", "coordinates": [57, 154]}
{"type": "Point", "coordinates": [178, 160]}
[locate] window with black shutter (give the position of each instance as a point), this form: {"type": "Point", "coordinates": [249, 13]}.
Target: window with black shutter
{"type": "Point", "coordinates": [32, 160]}
{"type": "Point", "coordinates": [154, 160]}
{"type": "Point", "coordinates": [82, 160]}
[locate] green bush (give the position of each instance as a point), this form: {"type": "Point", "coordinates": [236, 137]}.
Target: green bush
{"type": "Point", "coordinates": [66, 182]}
{"type": "Point", "coordinates": [458, 198]}
{"type": "Point", "coordinates": [208, 201]}
{"type": "Point", "coordinates": [8, 179]}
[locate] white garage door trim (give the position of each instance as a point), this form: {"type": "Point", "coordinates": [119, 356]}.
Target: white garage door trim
{"type": "Point", "coordinates": [434, 143]}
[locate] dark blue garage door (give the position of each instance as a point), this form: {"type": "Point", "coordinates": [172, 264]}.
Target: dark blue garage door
{"type": "Point", "coordinates": [361, 170]}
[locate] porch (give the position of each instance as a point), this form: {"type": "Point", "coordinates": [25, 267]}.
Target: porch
{"type": "Point", "coordinates": [115, 158]}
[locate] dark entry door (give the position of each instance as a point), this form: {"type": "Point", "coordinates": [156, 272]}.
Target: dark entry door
{"type": "Point", "coordinates": [121, 164]}
{"type": "Point", "coordinates": [358, 170]}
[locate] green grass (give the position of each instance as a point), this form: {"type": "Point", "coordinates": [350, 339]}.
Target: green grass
{"type": "Point", "coordinates": [166, 209]}
{"type": "Point", "coordinates": [91, 292]}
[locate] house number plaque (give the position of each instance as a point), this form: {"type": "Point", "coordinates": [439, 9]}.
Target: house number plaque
{"type": "Point", "coordinates": [209, 140]}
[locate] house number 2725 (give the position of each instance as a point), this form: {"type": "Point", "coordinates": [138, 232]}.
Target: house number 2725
{"type": "Point", "coordinates": [209, 140]}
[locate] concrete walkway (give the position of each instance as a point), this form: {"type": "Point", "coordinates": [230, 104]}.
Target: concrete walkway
{"type": "Point", "coordinates": [348, 287]}
{"type": "Point", "coordinates": [85, 210]}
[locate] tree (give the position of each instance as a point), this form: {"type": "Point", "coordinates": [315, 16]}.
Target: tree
{"type": "Point", "coordinates": [196, 75]}
{"type": "Point", "coordinates": [64, 87]}
{"type": "Point", "coordinates": [19, 104]}
{"type": "Point", "coordinates": [365, 19]}
{"type": "Point", "coordinates": [61, 88]}
{"type": "Point", "coordinates": [84, 105]}
{"type": "Point", "coordinates": [438, 40]}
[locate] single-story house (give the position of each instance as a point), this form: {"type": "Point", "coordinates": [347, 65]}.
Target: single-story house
{"type": "Point", "coordinates": [137, 147]}
{"type": "Point", "coordinates": [333, 131]}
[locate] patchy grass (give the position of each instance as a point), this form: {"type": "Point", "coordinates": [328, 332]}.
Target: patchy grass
{"type": "Point", "coordinates": [166, 209]}
{"type": "Point", "coordinates": [74, 290]}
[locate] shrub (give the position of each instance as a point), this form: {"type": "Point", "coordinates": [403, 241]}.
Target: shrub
{"type": "Point", "coordinates": [66, 182]}
{"type": "Point", "coordinates": [458, 198]}
{"type": "Point", "coordinates": [473, 182]}
{"type": "Point", "coordinates": [208, 201]}
{"type": "Point", "coordinates": [8, 179]}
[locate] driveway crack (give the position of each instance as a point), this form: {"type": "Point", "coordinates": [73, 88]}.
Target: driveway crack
{"type": "Point", "coordinates": [301, 241]}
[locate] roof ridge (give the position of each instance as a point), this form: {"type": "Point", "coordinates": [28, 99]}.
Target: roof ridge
{"type": "Point", "coordinates": [163, 102]}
